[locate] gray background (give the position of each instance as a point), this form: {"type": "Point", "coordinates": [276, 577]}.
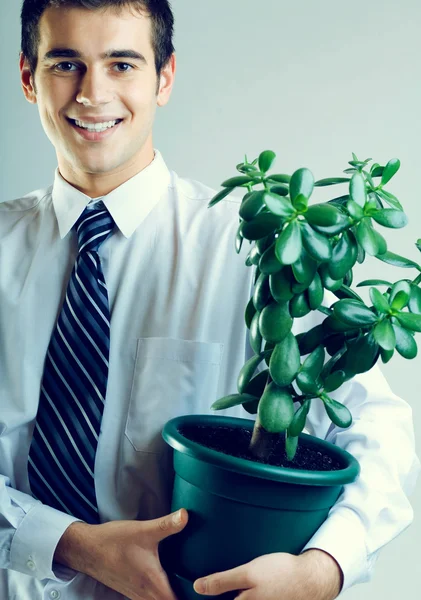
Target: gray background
{"type": "Point", "coordinates": [313, 81]}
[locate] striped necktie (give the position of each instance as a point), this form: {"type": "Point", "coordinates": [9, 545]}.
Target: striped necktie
{"type": "Point", "coordinates": [62, 454]}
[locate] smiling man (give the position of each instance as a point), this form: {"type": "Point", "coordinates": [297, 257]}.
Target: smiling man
{"type": "Point", "coordinates": [114, 318]}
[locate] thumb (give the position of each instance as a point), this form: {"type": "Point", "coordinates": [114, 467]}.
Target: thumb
{"type": "Point", "coordinates": [170, 524]}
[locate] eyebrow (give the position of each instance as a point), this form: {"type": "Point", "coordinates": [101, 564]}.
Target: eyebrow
{"type": "Point", "coordinates": [70, 53]}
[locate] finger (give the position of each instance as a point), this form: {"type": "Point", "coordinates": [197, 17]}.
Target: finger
{"type": "Point", "coordinates": [170, 524]}
{"type": "Point", "coordinates": [227, 581]}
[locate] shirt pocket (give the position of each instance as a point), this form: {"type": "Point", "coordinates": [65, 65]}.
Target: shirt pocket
{"type": "Point", "coordinates": [172, 377]}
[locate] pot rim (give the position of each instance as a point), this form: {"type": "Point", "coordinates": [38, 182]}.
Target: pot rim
{"type": "Point", "coordinates": [177, 441]}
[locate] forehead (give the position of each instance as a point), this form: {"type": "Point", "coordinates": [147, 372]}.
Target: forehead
{"type": "Point", "coordinates": [92, 32]}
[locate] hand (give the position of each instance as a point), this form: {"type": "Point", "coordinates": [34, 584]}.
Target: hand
{"type": "Point", "coordinates": [313, 575]}
{"type": "Point", "coordinates": [123, 555]}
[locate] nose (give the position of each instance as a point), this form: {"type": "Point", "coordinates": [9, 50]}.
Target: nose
{"type": "Point", "coordinates": [95, 88]}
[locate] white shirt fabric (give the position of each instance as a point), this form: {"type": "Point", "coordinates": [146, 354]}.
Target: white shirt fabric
{"type": "Point", "coordinates": [177, 293]}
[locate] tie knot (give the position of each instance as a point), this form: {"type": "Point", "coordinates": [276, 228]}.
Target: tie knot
{"type": "Point", "coordinates": [93, 227]}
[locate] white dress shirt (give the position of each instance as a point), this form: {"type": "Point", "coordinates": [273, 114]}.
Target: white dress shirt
{"type": "Point", "coordinates": [177, 293]}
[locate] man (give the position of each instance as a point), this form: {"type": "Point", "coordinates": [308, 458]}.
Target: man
{"type": "Point", "coordinates": [118, 292]}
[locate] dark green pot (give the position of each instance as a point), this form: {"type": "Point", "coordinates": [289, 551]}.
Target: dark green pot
{"type": "Point", "coordinates": [240, 509]}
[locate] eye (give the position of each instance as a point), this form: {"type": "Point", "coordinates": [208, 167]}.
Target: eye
{"type": "Point", "coordinates": [61, 65]}
{"type": "Point", "coordinates": [124, 65]}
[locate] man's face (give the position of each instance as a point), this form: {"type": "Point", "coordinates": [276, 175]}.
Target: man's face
{"type": "Point", "coordinates": [91, 87]}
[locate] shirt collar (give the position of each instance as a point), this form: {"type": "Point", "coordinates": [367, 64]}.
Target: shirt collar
{"type": "Point", "coordinates": [129, 204]}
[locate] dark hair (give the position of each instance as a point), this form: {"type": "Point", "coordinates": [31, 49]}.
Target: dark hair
{"type": "Point", "coordinates": [162, 21]}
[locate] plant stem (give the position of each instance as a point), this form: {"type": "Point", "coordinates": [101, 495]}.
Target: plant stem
{"type": "Point", "coordinates": [417, 280]}
{"type": "Point", "coordinates": [262, 441]}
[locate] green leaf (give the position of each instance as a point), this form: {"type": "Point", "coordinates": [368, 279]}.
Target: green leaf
{"type": "Point", "coordinates": [400, 300]}
{"type": "Point", "coordinates": [268, 263]}
{"type": "Point", "coordinates": [324, 215]}
{"type": "Point", "coordinates": [276, 409]}
{"type": "Point", "coordinates": [358, 190]}
{"type": "Point", "coordinates": [285, 361]}
{"type": "Point", "coordinates": [389, 199]}
{"type": "Point", "coordinates": [238, 181]}
{"type": "Point", "coordinates": [316, 244]}
{"type": "Point", "coordinates": [315, 292]}
{"type": "Point", "coordinates": [355, 210]}
{"type": "Point", "coordinates": [266, 160]}
{"type": "Point", "coordinates": [260, 226]}
{"type": "Point", "coordinates": [238, 239]}
{"type": "Point", "coordinates": [409, 320]}
{"type": "Point", "coordinates": [374, 282]}
{"type": "Point", "coordinates": [219, 196]}
{"type": "Point", "coordinates": [304, 269]}
{"type": "Point", "coordinates": [299, 420]}
{"type": "Point", "coordinates": [389, 217]}
{"type": "Point", "coordinates": [252, 205]}
{"type": "Point", "coordinates": [384, 335]}
{"type": "Point", "coordinates": [278, 205]}
{"type": "Point", "coordinates": [313, 364]}
{"type": "Point", "coordinates": [334, 381]}
{"type": "Point", "coordinates": [309, 340]}
{"type": "Point", "coordinates": [390, 170]}
{"type": "Point", "coordinates": [328, 283]}
{"type": "Point", "coordinates": [337, 412]}
{"type": "Point", "coordinates": [331, 181]}
{"type": "Point", "coordinates": [344, 256]}
{"type": "Point", "coordinates": [379, 301]}
{"type": "Point", "coordinates": [291, 445]}
{"type": "Point", "coordinates": [261, 293]}
{"type": "Point", "coordinates": [415, 299]}
{"type": "Point", "coordinates": [371, 240]}
{"type": "Point", "coordinates": [386, 355]}
{"type": "Point", "coordinates": [345, 292]}
{"type": "Point", "coordinates": [298, 305]}
{"type": "Point", "coordinates": [397, 261]}
{"type": "Point", "coordinates": [405, 343]}
{"type": "Point", "coordinates": [249, 313]}
{"type": "Point", "coordinates": [302, 182]}
{"type": "Point", "coordinates": [275, 322]}
{"type": "Point", "coordinates": [280, 285]}
{"type": "Point", "coordinates": [247, 371]}
{"type": "Point", "coordinates": [307, 384]}
{"type": "Point", "coordinates": [279, 178]}
{"type": "Point", "coordinates": [280, 189]}
{"type": "Point", "coordinates": [255, 337]}
{"type": "Point", "coordinates": [353, 312]}
{"type": "Point", "coordinates": [300, 202]}
{"type": "Point", "coordinates": [400, 286]}
{"type": "Point", "coordinates": [288, 245]}
{"type": "Point", "coordinates": [232, 400]}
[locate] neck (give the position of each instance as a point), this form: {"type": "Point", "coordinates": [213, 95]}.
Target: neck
{"type": "Point", "coordinates": [99, 184]}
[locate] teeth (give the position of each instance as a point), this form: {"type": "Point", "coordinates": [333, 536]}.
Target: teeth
{"type": "Point", "coordinates": [96, 126]}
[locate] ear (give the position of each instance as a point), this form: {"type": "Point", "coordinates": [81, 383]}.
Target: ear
{"type": "Point", "coordinates": [27, 80]}
{"type": "Point", "coordinates": [166, 81]}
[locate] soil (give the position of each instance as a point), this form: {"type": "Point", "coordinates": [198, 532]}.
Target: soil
{"type": "Point", "coordinates": [235, 442]}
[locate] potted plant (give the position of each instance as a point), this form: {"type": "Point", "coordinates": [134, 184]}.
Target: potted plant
{"type": "Point", "coordinates": [267, 472]}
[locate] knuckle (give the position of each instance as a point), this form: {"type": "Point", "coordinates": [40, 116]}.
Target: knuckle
{"type": "Point", "coordinates": [164, 524]}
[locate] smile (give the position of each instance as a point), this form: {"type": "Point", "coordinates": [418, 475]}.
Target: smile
{"type": "Point", "coordinates": [95, 135]}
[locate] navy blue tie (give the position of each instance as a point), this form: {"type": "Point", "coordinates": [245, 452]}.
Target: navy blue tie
{"type": "Point", "coordinates": [62, 454]}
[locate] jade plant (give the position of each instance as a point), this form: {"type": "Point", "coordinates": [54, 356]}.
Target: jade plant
{"type": "Point", "coordinates": [300, 250]}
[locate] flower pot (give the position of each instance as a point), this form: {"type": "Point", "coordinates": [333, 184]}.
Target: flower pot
{"type": "Point", "coordinates": [240, 509]}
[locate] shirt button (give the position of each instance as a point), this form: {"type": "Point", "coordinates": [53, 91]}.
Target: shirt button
{"type": "Point", "coordinates": [55, 594]}
{"type": "Point", "coordinates": [31, 565]}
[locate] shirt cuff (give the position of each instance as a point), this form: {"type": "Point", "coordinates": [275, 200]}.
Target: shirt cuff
{"type": "Point", "coordinates": [35, 541]}
{"type": "Point", "coordinates": [342, 536]}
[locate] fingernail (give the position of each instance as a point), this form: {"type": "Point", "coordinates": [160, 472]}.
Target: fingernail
{"type": "Point", "coordinates": [177, 518]}
{"type": "Point", "coordinates": [200, 586]}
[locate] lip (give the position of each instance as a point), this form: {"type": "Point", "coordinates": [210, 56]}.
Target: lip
{"type": "Point", "coordinates": [94, 136]}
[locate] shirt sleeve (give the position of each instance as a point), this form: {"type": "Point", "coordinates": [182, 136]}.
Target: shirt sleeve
{"type": "Point", "coordinates": [29, 534]}
{"type": "Point", "coordinates": [375, 508]}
